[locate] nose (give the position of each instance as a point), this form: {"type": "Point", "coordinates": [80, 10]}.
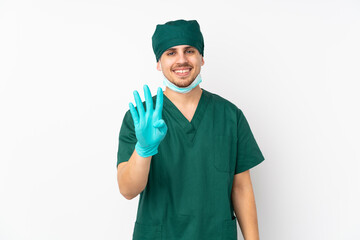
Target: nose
{"type": "Point", "coordinates": [182, 58]}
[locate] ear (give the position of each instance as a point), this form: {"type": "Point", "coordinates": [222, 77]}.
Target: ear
{"type": "Point", "coordinates": [158, 66]}
{"type": "Point", "coordinates": [202, 61]}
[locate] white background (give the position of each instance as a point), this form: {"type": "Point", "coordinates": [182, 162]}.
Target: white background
{"type": "Point", "coordinates": [68, 70]}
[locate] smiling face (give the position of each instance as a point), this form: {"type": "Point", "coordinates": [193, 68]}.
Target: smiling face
{"type": "Point", "coordinates": [181, 64]}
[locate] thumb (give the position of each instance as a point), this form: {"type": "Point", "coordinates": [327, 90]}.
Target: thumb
{"type": "Point", "coordinates": [159, 123]}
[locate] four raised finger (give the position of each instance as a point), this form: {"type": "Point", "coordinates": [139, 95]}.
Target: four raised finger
{"type": "Point", "coordinates": [148, 100]}
{"type": "Point", "coordinates": [159, 102]}
{"type": "Point", "coordinates": [139, 105]}
{"type": "Point", "coordinates": [134, 114]}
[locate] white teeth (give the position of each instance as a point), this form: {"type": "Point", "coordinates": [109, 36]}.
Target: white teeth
{"type": "Point", "coordinates": [182, 71]}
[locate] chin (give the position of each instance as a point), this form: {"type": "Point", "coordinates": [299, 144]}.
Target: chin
{"type": "Point", "coordinates": [183, 84]}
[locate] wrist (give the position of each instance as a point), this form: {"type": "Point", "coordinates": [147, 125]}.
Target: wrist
{"type": "Point", "coordinates": [146, 151]}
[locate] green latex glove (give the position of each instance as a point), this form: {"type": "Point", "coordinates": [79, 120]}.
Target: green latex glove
{"type": "Point", "coordinates": [150, 129]}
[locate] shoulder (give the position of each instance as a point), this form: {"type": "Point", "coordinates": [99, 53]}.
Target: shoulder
{"type": "Point", "coordinates": [223, 103]}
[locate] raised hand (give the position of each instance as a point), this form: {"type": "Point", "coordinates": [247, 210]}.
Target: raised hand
{"type": "Point", "coordinates": [150, 129]}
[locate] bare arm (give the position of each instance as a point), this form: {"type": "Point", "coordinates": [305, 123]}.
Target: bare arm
{"type": "Point", "coordinates": [243, 199]}
{"type": "Point", "coordinates": [133, 175]}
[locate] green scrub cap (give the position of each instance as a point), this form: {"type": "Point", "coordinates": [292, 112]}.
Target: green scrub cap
{"type": "Point", "coordinates": [179, 32]}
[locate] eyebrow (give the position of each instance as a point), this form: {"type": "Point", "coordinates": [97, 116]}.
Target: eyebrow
{"type": "Point", "coordinates": [174, 49]}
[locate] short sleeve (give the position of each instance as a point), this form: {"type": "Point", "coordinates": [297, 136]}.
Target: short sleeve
{"type": "Point", "coordinates": [127, 139]}
{"type": "Point", "coordinates": [248, 152]}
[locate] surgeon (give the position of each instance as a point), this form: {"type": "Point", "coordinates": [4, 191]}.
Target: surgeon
{"type": "Point", "coordinates": [187, 151]}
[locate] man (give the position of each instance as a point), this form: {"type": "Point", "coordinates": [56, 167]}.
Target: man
{"type": "Point", "coordinates": [189, 157]}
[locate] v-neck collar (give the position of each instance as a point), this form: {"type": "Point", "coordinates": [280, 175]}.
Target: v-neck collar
{"type": "Point", "coordinates": [189, 127]}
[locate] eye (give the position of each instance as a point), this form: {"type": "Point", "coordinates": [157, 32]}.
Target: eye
{"type": "Point", "coordinates": [170, 53]}
{"type": "Point", "coordinates": [190, 51]}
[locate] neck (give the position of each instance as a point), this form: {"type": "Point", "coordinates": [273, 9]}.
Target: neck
{"type": "Point", "coordinates": [184, 98]}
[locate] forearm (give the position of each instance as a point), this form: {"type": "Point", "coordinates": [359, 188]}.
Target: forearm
{"type": "Point", "coordinates": [245, 209]}
{"type": "Point", "coordinates": [133, 177]}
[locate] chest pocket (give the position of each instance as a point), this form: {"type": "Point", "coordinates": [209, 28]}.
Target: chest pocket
{"type": "Point", "coordinates": [224, 153]}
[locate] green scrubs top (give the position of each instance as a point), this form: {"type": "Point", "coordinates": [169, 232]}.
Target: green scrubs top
{"type": "Point", "coordinates": [188, 193]}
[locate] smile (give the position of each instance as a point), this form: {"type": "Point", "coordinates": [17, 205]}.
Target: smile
{"type": "Point", "coordinates": [182, 72]}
